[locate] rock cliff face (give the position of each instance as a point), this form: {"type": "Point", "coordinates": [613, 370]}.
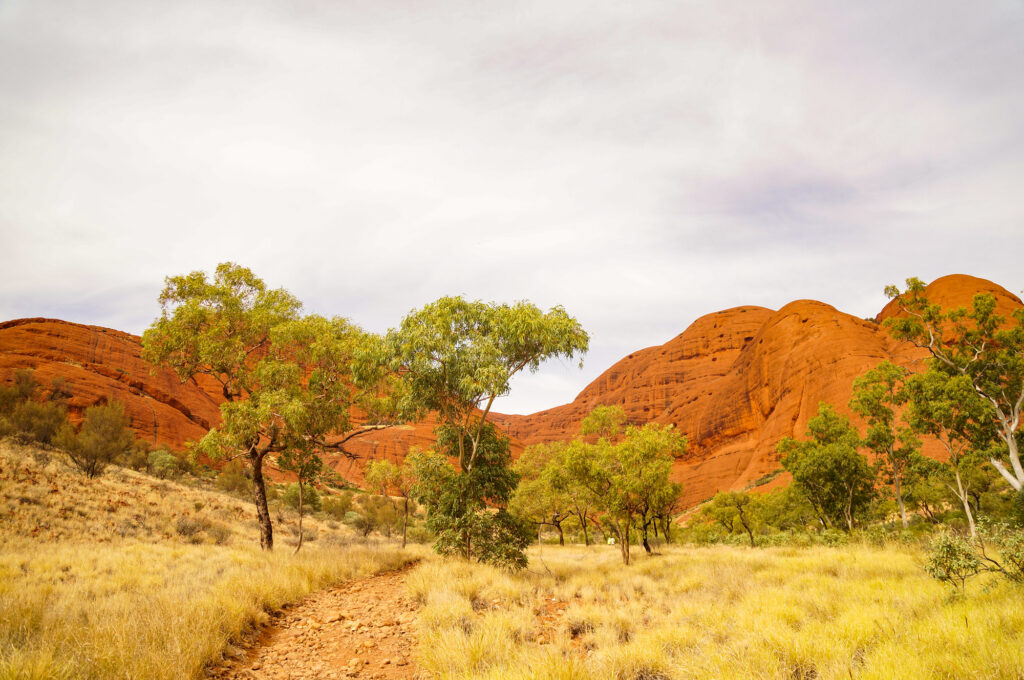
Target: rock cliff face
{"type": "Point", "coordinates": [738, 381]}
{"type": "Point", "coordinates": [735, 382]}
{"type": "Point", "coordinates": [102, 364]}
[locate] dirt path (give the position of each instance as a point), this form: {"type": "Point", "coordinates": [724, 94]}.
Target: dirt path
{"type": "Point", "coordinates": [361, 629]}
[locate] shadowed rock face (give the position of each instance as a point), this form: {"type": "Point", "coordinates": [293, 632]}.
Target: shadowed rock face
{"type": "Point", "coordinates": [735, 382]}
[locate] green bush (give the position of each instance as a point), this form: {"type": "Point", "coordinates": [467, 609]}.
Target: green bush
{"type": "Point", "coordinates": [310, 497]}
{"type": "Point", "coordinates": [103, 438]}
{"type": "Point", "coordinates": [364, 524]}
{"type": "Point", "coordinates": [232, 478]}
{"type": "Point", "coordinates": [337, 506]}
{"type": "Point", "coordinates": [953, 559]}
{"type": "Point", "coordinates": [419, 534]}
{"type": "Point", "coordinates": [164, 464]}
{"type": "Point", "coordinates": [37, 422]}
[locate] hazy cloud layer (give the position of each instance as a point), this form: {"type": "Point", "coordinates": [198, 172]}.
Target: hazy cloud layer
{"type": "Point", "coordinates": [640, 163]}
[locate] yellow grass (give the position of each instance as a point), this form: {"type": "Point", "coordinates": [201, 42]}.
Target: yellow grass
{"type": "Point", "coordinates": [96, 581]}
{"type": "Point", "coordinates": [718, 612]}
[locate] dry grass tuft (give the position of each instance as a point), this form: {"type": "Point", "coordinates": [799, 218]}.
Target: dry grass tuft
{"type": "Point", "coordinates": [126, 576]}
{"type": "Point", "coordinates": [719, 612]}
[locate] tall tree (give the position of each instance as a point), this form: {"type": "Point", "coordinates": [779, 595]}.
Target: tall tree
{"type": "Point", "coordinates": [286, 379]}
{"type": "Point", "coordinates": [876, 397]}
{"type": "Point", "coordinates": [392, 480]}
{"type": "Point", "coordinates": [732, 508]}
{"type": "Point", "coordinates": [456, 357]}
{"type": "Point", "coordinates": [826, 467]}
{"type": "Point", "coordinates": [983, 347]}
{"type": "Point", "coordinates": [626, 478]}
{"type": "Point", "coordinates": [538, 497]}
{"type": "Point", "coordinates": [950, 410]}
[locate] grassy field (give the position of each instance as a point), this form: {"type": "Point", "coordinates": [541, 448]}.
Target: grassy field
{"type": "Point", "coordinates": [127, 576]}
{"type": "Point", "coordinates": [717, 612]}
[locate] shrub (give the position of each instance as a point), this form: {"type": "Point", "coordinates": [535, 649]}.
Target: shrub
{"type": "Point", "coordinates": [337, 506]}
{"type": "Point", "coordinates": [310, 497]}
{"type": "Point", "coordinates": [102, 439]}
{"type": "Point", "coordinates": [37, 421]}
{"type": "Point", "coordinates": [953, 559]}
{"type": "Point", "coordinates": [232, 478]}
{"type": "Point", "coordinates": [364, 524]}
{"type": "Point", "coordinates": [137, 456]}
{"type": "Point", "coordinates": [164, 464]}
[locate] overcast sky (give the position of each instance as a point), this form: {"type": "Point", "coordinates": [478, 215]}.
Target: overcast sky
{"type": "Point", "coordinates": [639, 163]}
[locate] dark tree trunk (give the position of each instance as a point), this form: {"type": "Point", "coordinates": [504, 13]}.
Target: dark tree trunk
{"type": "Point", "coordinates": [586, 535]}
{"type": "Point", "coordinates": [644, 525]}
{"type": "Point", "coordinates": [405, 520]}
{"type": "Point", "coordinates": [259, 492]}
{"type": "Point", "coordinates": [743, 521]}
{"type": "Point", "coordinates": [561, 535]}
{"type": "Point", "coordinates": [299, 544]}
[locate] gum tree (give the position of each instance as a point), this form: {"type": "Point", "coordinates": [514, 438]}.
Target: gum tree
{"type": "Point", "coordinates": [876, 397]}
{"type": "Point", "coordinates": [625, 478]}
{"type": "Point", "coordinates": [982, 346]}
{"type": "Point", "coordinates": [828, 470]}
{"type": "Point", "coordinates": [456, 357]}
{"type": "Point", "coordinates": [948, 409]}
{"type": "Point", "coordinates": [392, 480]}
{"type": "Point", "coordinates": [286, 379]}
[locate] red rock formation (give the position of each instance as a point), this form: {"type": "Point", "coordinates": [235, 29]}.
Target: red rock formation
{"type": "Point", "coordinates": [100, 364]}
{"type": "Point", "coordinates": [734, 382]}
{"type": "Point", "coordinates": [737, 382]}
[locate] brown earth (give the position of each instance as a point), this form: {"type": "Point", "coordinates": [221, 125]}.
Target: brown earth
{"type": "Point", "coordinates": [361, 629]}
{"type": "Point", "coordinates": [735, 382]}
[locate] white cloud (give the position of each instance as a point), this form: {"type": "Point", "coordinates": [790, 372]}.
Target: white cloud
{"type": "Point", "coordinates": [641, 164]}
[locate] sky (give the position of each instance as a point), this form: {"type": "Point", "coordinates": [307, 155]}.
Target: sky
{"type": "Point", "coordinates": [639, 163]}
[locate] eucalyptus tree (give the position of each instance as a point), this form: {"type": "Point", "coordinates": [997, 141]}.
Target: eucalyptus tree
{"type": "Point", "coordinates": [392, 480]}
{"type": "Point", "coordinates": [286, 379]}
{"type": "Point", "coordinates": [628, 477]}
{"type": "Point", "coordinates": [455, 357]}
{"type": "Point", "coordinates": [827, 468]}
{"type": "Point", "coordinates": [950, 410]}
{"type": "Point", "coordinates": [732, 508]}
{"type": "Point", "coordinates": [877, 395]}
{"type": "Point", "coordinates": [983, 347]}
{"type": "Point", "coordinates": [539, 497]}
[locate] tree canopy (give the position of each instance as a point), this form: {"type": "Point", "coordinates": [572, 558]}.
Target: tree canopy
{"type": "Point", "coordinates": [826, 467]}
{"type": "Point", "coordinates": [287, 379]}
{"type": "Point", "coordinates": [982, 346]}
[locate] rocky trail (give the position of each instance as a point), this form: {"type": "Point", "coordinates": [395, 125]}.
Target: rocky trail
{"type": "Point", "coordinates": [360, 629]}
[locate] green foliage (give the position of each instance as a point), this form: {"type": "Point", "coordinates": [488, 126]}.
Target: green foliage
{"type": "Point", "coordinates": [985, 349]}
{"type": "Point", "coordinates": [826, 467]}
{"type": "Point", "coordinates": [876, 396]}
{"type": "Point", "coordinates": [164, 464]}
{"type": "Point", "coordinates": [337, 506]}
{"type": "Point", "coordinates": [103, 438]}
{"type": "Point", "coordinates": [25, 414]}
{"type": "Point", "coordinates": [604, 421]}
{"type": "Point", "coordinates": [467, 512]}
{"type": "Point", "coordinates": [310, 497]}
{"type": "Point", "coordinates": [365, 524]}
{"type": "Point", "coordinates": [286, 379]}
{"type": "Point", "coordinates": [456, 357]}
{"type": "Point", "coordinates": [540, 497]}
{"type": "Point", "coordinates": [232, 477]}
{"type": "Point", "coordinates": [628, 481]}
{"type": "Point", "coordinates": [735, 511]}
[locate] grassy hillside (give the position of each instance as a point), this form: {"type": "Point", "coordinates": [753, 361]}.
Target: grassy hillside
{"type": "Point", "coordinates": [128, 576]}
{"type": "Point", "coordinates": [719, 612]}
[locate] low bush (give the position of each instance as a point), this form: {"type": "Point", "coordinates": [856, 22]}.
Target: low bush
{"type": "Point", "coordinates": [310, 497]}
